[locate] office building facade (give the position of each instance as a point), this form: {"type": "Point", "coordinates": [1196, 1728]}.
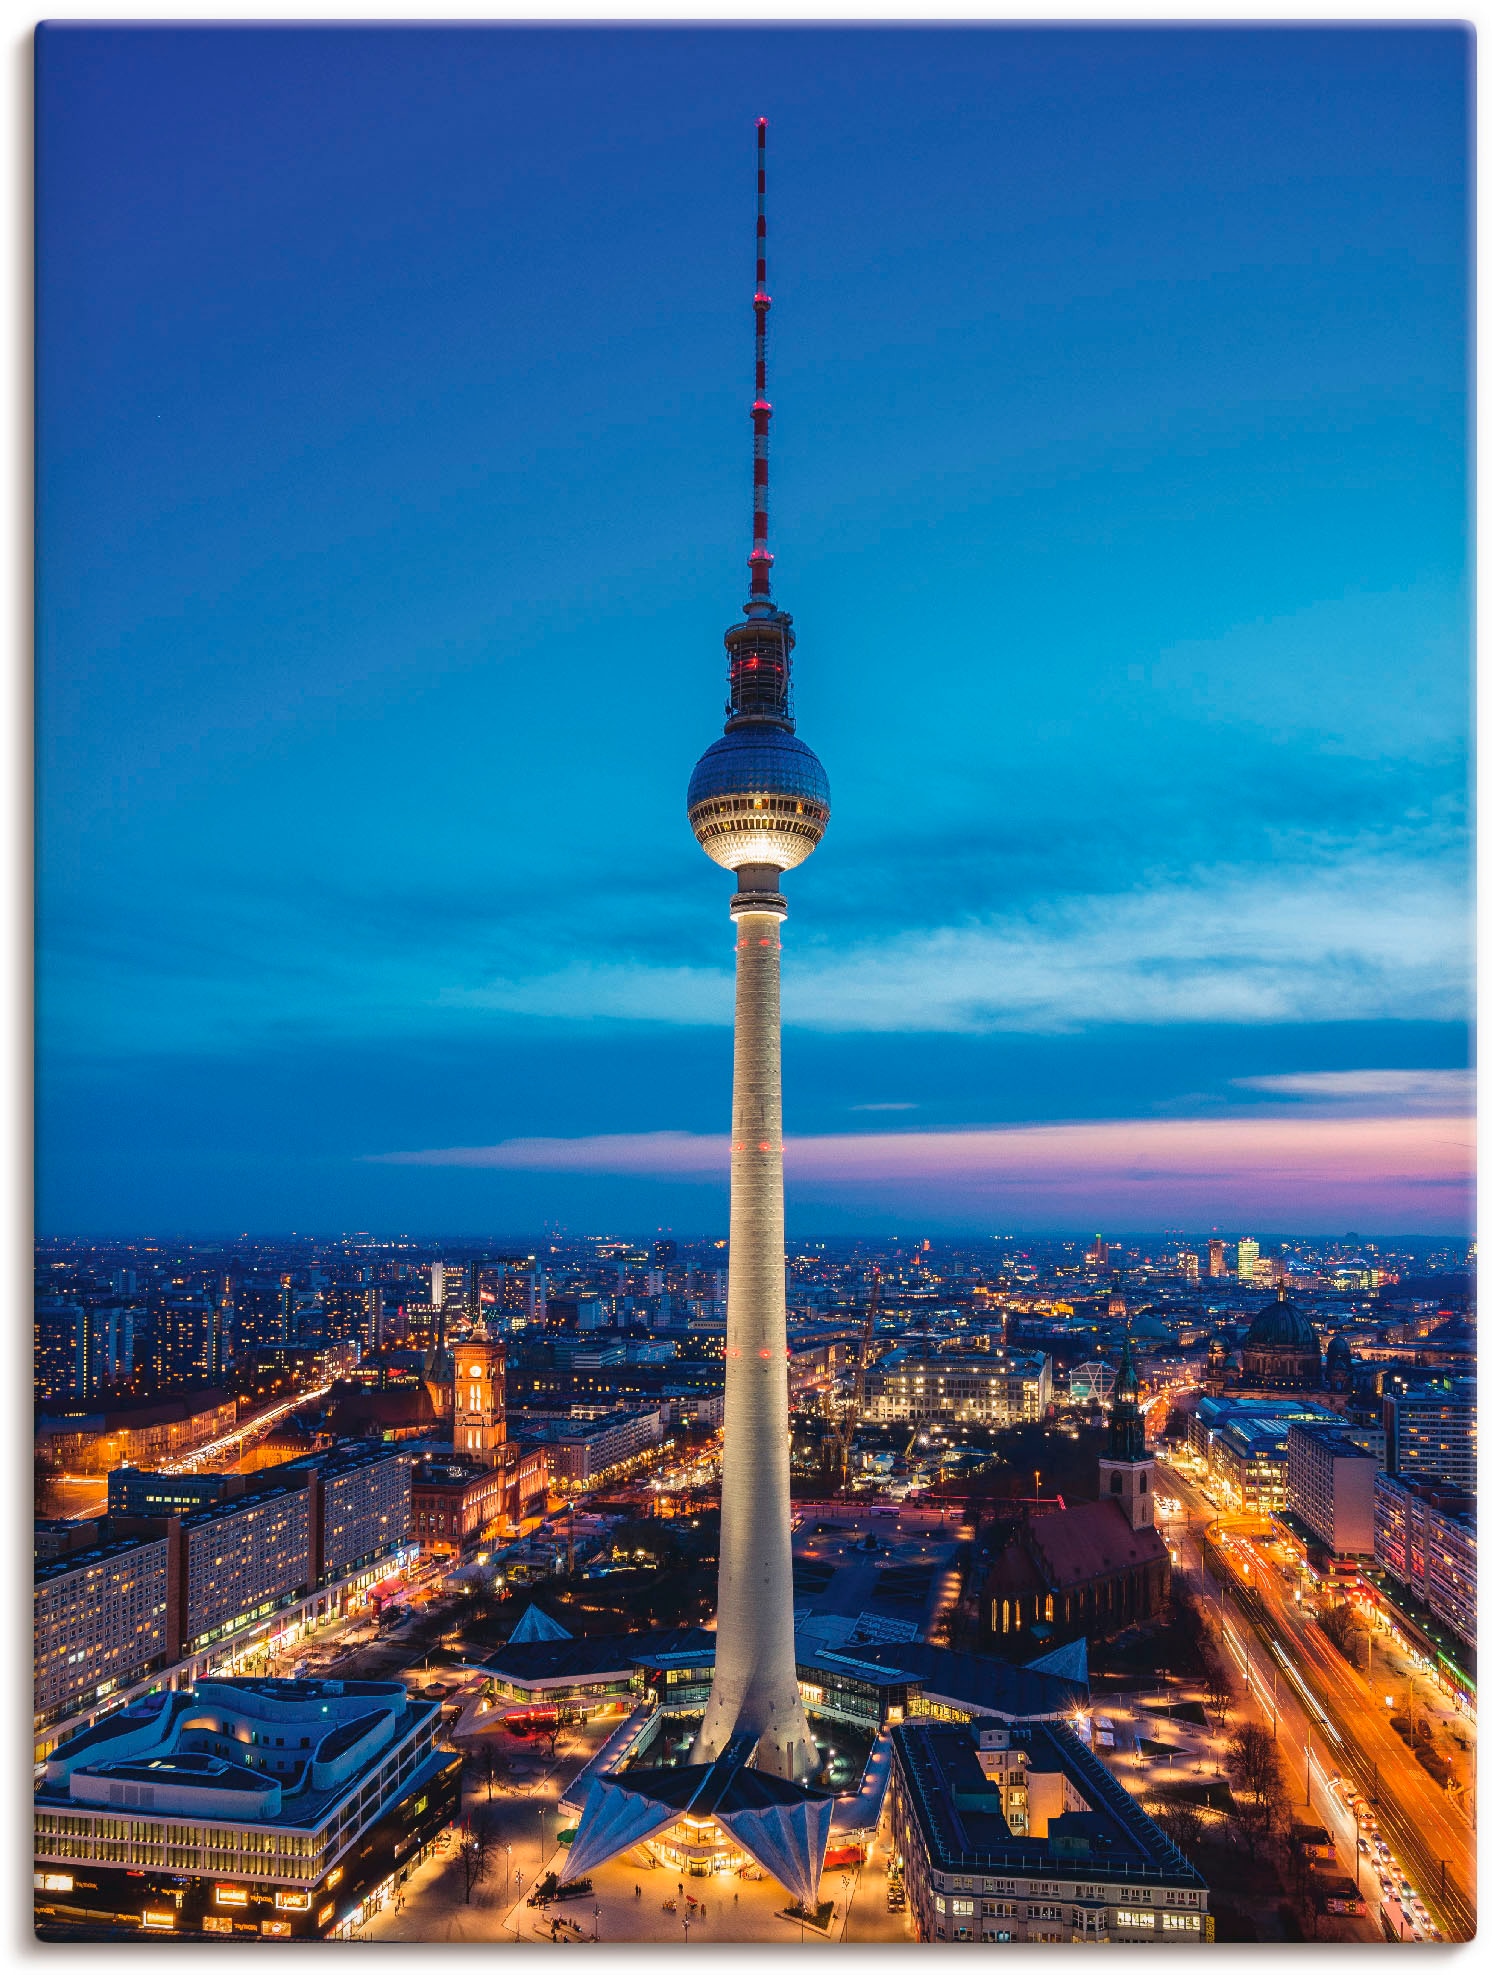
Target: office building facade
{"type": "Point", "coordinates": [1329, 1486]}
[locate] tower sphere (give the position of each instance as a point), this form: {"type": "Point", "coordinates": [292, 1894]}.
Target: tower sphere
{"type": "Point", "coordinates": [759, 795]}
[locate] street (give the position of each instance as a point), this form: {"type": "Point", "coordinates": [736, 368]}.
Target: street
{"type": "Point", "coordinates": [1329, 1719]}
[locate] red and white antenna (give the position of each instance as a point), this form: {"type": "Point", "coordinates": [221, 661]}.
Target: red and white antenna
{"type": "Point", "coordinates": [761, 411]}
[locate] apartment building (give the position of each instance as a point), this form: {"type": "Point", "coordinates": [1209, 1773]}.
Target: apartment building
{"type": "Point", "coordinates": [1329, 1485]}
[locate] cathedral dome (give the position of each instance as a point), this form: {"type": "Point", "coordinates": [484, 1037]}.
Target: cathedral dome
{"type": "Point", "coordinates": [1282, 1349]}
{"type": "Point", "coordinates": [1281, 1327]}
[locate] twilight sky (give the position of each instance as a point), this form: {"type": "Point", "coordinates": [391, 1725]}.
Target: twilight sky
{"type": "Point", "coordinates": [394, 496]}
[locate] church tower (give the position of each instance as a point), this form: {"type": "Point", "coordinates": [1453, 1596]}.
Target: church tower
{"type": "Point", "coordinates": [479, 1413]}
{"type": "Point", "coordinates": [1126, 1474]}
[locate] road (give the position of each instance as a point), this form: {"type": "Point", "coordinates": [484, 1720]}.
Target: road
{"type": "Point", "coordinates": [245, 1430]}
{"type": "Point", "coordinates": [1295, 1668]}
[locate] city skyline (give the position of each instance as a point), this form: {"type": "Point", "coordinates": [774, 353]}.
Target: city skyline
{"type": "Point", "coordinates": [387, 447]}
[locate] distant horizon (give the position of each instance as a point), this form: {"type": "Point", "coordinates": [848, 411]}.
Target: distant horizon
{"type": "Point", "coordinates": [939, 1237]}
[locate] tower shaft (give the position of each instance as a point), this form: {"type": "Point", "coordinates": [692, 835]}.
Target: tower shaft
{"type": "Point", "coordinates": [756, 1677]}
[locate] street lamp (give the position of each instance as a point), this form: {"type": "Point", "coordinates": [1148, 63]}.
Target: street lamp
{"type": "Point", "coordinates": [596, 1917]}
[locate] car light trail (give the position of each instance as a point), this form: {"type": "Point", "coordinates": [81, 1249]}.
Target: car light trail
{"type": "Point", "coordinates": [1293, 1675]}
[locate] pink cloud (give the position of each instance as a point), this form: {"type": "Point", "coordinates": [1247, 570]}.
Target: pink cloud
{"type": "Point", "coordinates": [1289, 1171]}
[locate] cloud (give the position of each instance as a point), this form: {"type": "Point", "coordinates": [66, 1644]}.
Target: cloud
{"type": "Point", "coordinates": [1366, 938]}
{"type": "Point", "coordinates": [1411, 1170]}
{"type": "Point", "coordinates": [1398, 1092]}
{"type": "Point", "coordinates": [883, 1107]}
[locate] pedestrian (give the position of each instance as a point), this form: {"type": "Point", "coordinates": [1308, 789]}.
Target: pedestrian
{"type": "Point", "coordinates": [637, 1892]}
{"type": "Point", "coordinates": [703, 1911]}
{"type": "Point", "coordinates": [681, 1889]}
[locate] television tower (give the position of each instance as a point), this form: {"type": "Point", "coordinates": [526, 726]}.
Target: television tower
{"type": "Point", "coordinates": [758, 804]}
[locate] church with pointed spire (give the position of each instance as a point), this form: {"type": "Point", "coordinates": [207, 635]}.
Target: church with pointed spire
{"type": "Point", "coordinates": [1094, 1568]}
{"type": "Point", "coordinates": [1126, 1474]}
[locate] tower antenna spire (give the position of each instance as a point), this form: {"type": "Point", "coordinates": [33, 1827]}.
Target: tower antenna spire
{"type": "Point", "coordinates": [761, 410]}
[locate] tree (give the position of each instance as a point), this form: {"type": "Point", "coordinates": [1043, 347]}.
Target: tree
{"type": "Point", "coordinates": [1182, 1823]}
{"type": "Point", "coordinates": [1219, 1689]}
{"type": "Point", "coordinates": [475, 1852]}
{"type": "Point", "coordinates": [1258, 1782]}
{"type": "Point", "coordinates": [1343, 1628]}
{"type": "Point", "coordinates": [1186, 1618]}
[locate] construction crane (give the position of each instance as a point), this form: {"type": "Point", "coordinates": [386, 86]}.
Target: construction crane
{"type": "Point", "coordinates": [841, 1440]}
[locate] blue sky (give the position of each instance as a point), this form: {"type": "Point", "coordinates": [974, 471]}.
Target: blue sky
{"type": "Point", "coordinates": [393, 499]}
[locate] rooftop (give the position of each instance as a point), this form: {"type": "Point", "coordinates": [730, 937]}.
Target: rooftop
{"type": "Point", "coordinates": [958, 1810]}
{"type": "Point", "coordinates": [211, 1738]}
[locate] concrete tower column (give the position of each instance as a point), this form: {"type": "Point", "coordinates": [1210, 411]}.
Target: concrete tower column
{"type": "Point", "coordinates": [756, 1676]}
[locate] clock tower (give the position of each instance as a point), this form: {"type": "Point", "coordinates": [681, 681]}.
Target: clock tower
{"type": "Point", "coordinates": [479, 1425]}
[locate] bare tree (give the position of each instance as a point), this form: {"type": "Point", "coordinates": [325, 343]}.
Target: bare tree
{"type": "Point", "coordinates": [475, 1852]}
{"type": "Point", "coordinates": [1182, 1823]}
{"type": "Point", "coordinates": [1218, 1687]}
{"type": "Point", "coordinates": [1259, 1783]}
{"type": "Point", "coordinates": [1344, 1629]}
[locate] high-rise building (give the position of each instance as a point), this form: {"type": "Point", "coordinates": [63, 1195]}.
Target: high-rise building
{"type": "Point", "coordinates": [261, 1315]}
{"type": "Point", "coordinates": [1191, 1264]}
{"type": "Point", "coordinates": [1329, 1485]}
{"type": "Point", "coordinates": [1097, 1256]}
{"type": "Point", "coordinates": [509, 1289]}
{"type": "Point", "coordinates": [1424, 1536]}
{"type": "Point", "coordinates": [1430, 1424]}
{"type": "Point", "coordinates": [60, 1349]}
{"type": "Point", "coordinates": [1217, 1258]}
{"type": "Point", "coordinates": [1248, 1256]}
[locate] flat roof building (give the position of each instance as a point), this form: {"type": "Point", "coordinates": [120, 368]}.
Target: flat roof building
{"type": "Point", "coordinates": [275, 1809]}
{"type": "Point", "coordinates": [991, 1390]}
{"type": "Point", "coordinates": [1431, 1429]}
{"type": "Point", "coordinates": [1329, 1485]}
{"type": "Point", "coordinates": [1019, 1833]}
{"type": "Point", "coordinates": [1424, 1538]}
{"type": "Point", "coordinates": [101, 1620]}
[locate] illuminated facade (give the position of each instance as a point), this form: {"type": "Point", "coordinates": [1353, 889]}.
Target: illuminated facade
{"type": "Point", "coordinates": [479, 1418]}
{"type": "Point", "coordinates": [269, 1809]}
{"type": "Point", "coordinates": [963, 1387]}
{"type": "Point", "coordinates": [1021, 1834]}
